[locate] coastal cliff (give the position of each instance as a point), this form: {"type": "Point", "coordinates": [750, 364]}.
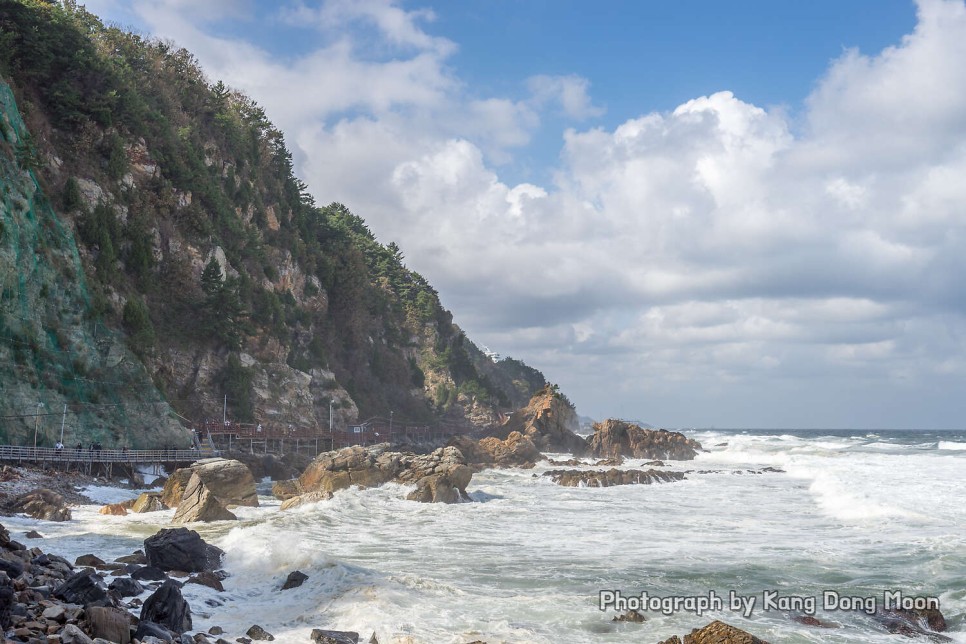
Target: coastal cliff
{"type": "Point", "coordinates": [159, 258]}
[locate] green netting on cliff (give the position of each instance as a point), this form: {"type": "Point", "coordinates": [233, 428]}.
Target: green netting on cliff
{"type": "Point", "coordinates": [54, 349]}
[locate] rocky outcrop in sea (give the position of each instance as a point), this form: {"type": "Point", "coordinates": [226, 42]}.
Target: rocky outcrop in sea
{"type": "Point", "coordinates": [616, 438]}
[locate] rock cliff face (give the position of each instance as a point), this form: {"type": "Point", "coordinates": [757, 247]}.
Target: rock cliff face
{"type": "Point", "coordinates": [158, 255]}
{"type": "Point", "coordinates": [549, 421]}
{"type": "Point", "coordinates": [615, 438]}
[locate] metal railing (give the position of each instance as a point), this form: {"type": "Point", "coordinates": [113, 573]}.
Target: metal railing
{"type": "Point", "coordinates": [74, 455]}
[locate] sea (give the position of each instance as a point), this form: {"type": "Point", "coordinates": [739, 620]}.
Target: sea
{"type": "Point", "coordinates": [841, 523]}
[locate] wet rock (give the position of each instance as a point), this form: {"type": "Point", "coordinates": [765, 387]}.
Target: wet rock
{"type": "Point", "coordinates": [125, 587]}
{"type": "Point", "coordinates": [181, 549]}
{"type": "Point", "coordinates": [84, 588]}
{"type": "Point", "coordinates": [148, 573]}
{"type": "Point", "coordinates": [449, 487]}
{"type": "Point", "coordinates": [42, 504]}
{"type": "Point", "coordinates": [256, 632]}
{"type": "Point", "coordinates": [114, 509]}
{"type": "Point", "coordinates": [516, 450]}
{"type": "Point", "coordinates": [616, 438]}
{"type": "Point", "coordinates": [166, 607]}
{"type": "Point", "coordinates": [33, 534]}
{"type": "Point", "coordinates": [303, 499]}
{"type": "Point", "coordinates": [925, 623]}
{"type": "Point", "coordinates": [284, 490]}
{"type": "Point", "coordinates": [809, 620]}
{"type": "Point", "coordinates": [208, 579]}
{"type": "Point", "coordinates": [135, 558]}
{"type": "Point", "coordinates": [295, 579]}
{"type": "Point", "coordinates": [147, 630]}
{"type": "Point", "coordinates": [320, 636]}
{"type": "Point", "coordinates": [148, 502]}
{"type": "Point", "coordinates": [718, 632]}
{"type": "Point", "coordinates": [611, 477]}
{"type": "Point", "coordinates": [88, 560]}
{"type": "Point", "coordinates": [199, 503]}
{"type": "Point", "coordinates": [632, 616]}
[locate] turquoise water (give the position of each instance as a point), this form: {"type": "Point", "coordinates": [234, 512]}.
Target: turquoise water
{"type": "Point", "coordinates": [857, 513]}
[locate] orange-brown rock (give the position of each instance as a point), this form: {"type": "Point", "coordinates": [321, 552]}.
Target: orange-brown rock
{"type": "Point", "coordinates": [548, 421]}
{"type": "Point", "coordinates": [114, 509]}
{"type": "Point", "coordinates": [616, 438]}
{"type": "Point", "coordinates": [716, 632]}
{"type": "Point", "coordinates": [230, 481]}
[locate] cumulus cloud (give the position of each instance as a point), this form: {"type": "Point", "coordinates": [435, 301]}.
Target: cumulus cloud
{"type": "Point", "coordinates": [713, 264]}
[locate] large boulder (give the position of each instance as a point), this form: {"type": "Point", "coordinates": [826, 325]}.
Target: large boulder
{"type": "Point", "coordinates": [199, 503]}
{"type": "Point", "coordinates": [168, 608]}
{"type": "Point", "coordinates": [616, 438]}
{"type": "Point", "coordinates": [549, 421]}
{"type": "Point", "coordinates": [109, 623]}
{"type": "Point", "coordinates": [42, 504]}
{"type": "Point", "coordinates": [230, 481]}
{"type": "Point", "coordinates": [181, 549]}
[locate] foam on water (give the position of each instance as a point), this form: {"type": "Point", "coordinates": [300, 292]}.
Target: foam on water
{"type": "Point", "coordinates": [855, 513]}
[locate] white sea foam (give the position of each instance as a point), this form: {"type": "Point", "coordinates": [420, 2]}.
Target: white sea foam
{"type": "Point", "coordinates": [525, 562]}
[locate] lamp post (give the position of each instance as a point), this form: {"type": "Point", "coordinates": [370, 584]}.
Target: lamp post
{"type": "Point", "coordinates": [330, 415]}
{"type": "Point", "coordinates": [40, 406]}
{"type": "Point", "coordinates": [390, 424]}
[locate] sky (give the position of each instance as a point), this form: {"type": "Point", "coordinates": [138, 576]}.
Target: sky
{"type": "Point", "coordinates": [693, 213]}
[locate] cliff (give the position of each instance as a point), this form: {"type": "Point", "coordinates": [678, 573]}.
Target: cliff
{"type": "Point", "coordinates": [158, 255]}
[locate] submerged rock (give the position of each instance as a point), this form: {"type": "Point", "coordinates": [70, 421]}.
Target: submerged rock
{"type": "Point", "coordinates": [611, 477]}
{"type": "Point", "coordinates": [716, 632]}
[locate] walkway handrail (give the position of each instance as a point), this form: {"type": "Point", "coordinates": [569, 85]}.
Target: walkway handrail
{"type": "Point", "coordinates": [74, 455]}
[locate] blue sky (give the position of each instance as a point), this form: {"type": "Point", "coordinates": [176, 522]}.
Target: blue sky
{"type": "Point", "coordinates": [694, 213]}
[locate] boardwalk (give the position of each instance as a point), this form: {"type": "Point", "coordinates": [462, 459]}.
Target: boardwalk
{"type": "Point", "coordinates": [13, 453]}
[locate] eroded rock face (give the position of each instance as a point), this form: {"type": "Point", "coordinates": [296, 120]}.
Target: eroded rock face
{"type": "Point", "coordinates": [615, 438]}
{"type": "Point", "coordinates": [611, 477]}
{"type": "Point", "coordinates": [548, 421]}
{"type": "Point", "coordinates": [444, 470]}
{"type": "Point", "coordinates": [199, 503]}
{"type": "Point", "coordinates": [42, 504]}
{"type": "Point", "coordinates": [516, 450]}
{"type": "Point", "coordinates": [230, 481]}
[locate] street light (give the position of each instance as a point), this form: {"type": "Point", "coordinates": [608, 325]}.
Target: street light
{"type": "Point", "coordinates": [40, 406]}
{"type": "Point", "coordinates": [390, 424]}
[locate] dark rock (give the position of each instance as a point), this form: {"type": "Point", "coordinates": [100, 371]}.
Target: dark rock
{"type": "Point", "coordinates": [136, 558]}
{"type": "Point", "coordinates": [181, 549]}
{"type": "Point", "coordinates": [208, 579]}
{"type": "Point", "coordinates": [168, 608]}
{"type": "Point", "coordinates": [125, 587]}
{"type": "Point", "coordinates": [809, 620]}
{"type": "Point", "coordinates": [88, 560]}
{"type": "Point", "coordinates": [631, 616]}
{"type": "Point", "coordinates": [256, 632]}
{"type": "Point", "coordinates": [13, 568]}
{"type": "Point", "coordinates": [611, 477]}
{"type": "Point", "coordinates": [84, 588]}
{"type": "Point", "coordinates": [320, 636]}
{"type": "Point", "coordinates": [216, 630]}
{"type": "Point", "coordinates": [71, 634]}
{"type": "Point", "coordinates": [6, 606]}
{"type": "Point", "coordinates": [148, 573]}
{"type": "Point", "coordinates": [150, 629]}
{"type": "Point", "coordinates": [295, 579]}
{"type": "Point", "coordinates": [33, 534]}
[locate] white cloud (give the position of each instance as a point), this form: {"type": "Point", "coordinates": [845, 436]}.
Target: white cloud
{"type": "Point", "coordinates": [697, 265]}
